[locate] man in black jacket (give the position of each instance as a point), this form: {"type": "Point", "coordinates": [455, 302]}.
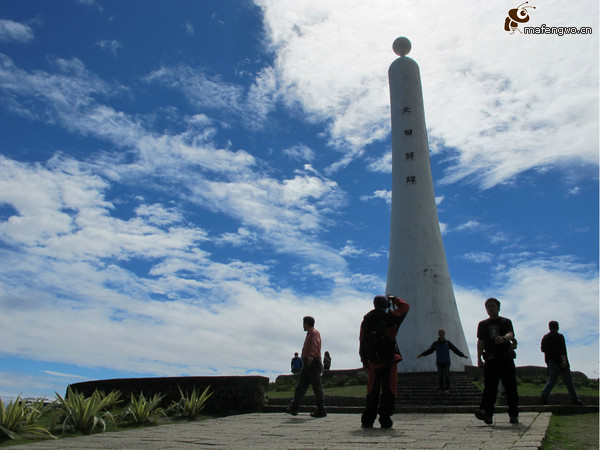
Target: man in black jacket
{"type": "Point", "coordinates": [555, 354]}
{"type": "Point", "coordinates": [495, 357]}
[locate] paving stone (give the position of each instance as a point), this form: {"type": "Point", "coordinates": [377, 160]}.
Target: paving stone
{"type": "Point", "coordinates": [336, 431]}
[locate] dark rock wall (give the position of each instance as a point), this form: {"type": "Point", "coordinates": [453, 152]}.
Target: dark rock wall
{"type": "Point", "coordinates": [230, 394]}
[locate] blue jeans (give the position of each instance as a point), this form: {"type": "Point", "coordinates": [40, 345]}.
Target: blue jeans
{"type": "Point", "coordinates": [554, 370]}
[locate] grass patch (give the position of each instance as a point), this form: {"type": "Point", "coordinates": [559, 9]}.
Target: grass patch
{"type": "Point", "coordinates": [337, 385]}
{"type": "Point", "coordinates": [535, 389]}
{"type": "Point", "coordinates": [578, 431]}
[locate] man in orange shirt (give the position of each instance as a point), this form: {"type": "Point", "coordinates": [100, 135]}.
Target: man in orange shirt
{"type": "Point", "coordinates": [310, 374]}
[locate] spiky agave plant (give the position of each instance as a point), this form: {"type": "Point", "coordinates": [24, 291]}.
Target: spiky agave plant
{"type": "Point", "coordinates": [112, 399]}
{"type": "Point", "coordinates": [20, 417]}
{"type": "Point", "coordinates": [141, 409]}
{"type": "Point", "coordinates": [190, 406]}
{"type": "Point", "coordinates": [75, 412]}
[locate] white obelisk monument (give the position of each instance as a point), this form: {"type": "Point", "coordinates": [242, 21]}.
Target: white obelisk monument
{"type": "Point", "coordinates": [417, 269]}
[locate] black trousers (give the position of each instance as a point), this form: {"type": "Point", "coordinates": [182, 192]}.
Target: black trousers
{"type": "Point", "coordinates": [309, 376]}
{"type": "Point", "coordinates": [444, 375]}
{"type": "Point", "coordinates": [499, 367]}
{"type": "Point", "coordinates": [384, 381]}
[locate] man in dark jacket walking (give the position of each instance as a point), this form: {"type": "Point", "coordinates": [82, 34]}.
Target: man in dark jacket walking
{"type": "Point", "coordinates": [380, 357]}
{"type": "Point", "coordinates": [442, 348]}
{"type": "Point", "coordinates": [555, 354]}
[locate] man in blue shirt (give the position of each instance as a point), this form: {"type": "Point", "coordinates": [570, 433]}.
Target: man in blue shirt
{"type": "Point", "coordinates": [296, 363]}
{"type": "Point", "coordinates": [442, 348]}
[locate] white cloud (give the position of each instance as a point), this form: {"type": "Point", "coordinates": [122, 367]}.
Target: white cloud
{"type": "Point", "coordinates": [67, 98]}
{"type": "Point", "coordinates": [382, 164]}
{"type": "Point", "coordinates": [443, 228]}
{"type": "Point", "coordinates": [350, 250]}
{"type": "Point", "coordinates": [286, 212]}
{"type": "Point", "coordinates": [471, 225]}
{"type": "Point", "coordinates": [479, 257]}
{"type": "Point", "coordinates": [91, 3]}
{"type": "Point", "coordinates": [158, 215]}
{"type": "Point", "coordinates": [382, 194]}
{"type": "Point", "coordinates": [243, 236]}
{"type": "Point", "coordinates": [15, 31]}
{"type": "Point", "coordinates": [210, 92]}
{"type": "Point", "coordinates": [202, 90]}
{"type": "Point", "coordinates": [62, 375]}
{"type": "Point", "coordinates": [300, 152]}
{"type": "Point", "coordinates": [111, 46]}
{"type": "Point", "coordinates": [77, 223]}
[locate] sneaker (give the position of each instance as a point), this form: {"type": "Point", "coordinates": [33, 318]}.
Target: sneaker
{"type": "Point", "coordinates": [514, 419]}
{"type": "Point", "coordinates": [483, 415]}
{"type": "Point", "coordinates": [385, 422]}
{"type": "Point", "coordinates": [318, 414]}
{"type": "Point", "coordinates": [292, 410]}
{"type": "Point", "coordinates": [366, 426]}
{"type": "Point", "coordinates": [544, 400]}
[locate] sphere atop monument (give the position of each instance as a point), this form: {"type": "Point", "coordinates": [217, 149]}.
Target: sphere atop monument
{"type": "Point", "coordinates": [402, 46]}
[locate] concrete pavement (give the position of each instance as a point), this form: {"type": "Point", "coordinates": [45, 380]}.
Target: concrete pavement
{"type": "Point", "coordinates": [336, 431]}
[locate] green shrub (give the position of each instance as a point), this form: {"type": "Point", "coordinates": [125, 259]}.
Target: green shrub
{"type": "Point", "coordinates": [141, 409]}
{"type": "Point", "coordinates": [531, 379]}
{"type": "Point", "coordinates": [111, 400]}
{"type": "Point", "coordinates": [20, 417]}
{"type": "Point", "coordinates": [283, 383]}
{"type": "Point", "coordinates": [190, 406]}
{"type": "Point", "coordinates": [358, 379]}
{"type": "Point", "coordinates": [76, 413]}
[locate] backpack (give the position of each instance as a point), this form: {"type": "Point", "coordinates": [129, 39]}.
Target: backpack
{"type": "Point", "coordinates": [376, 345]}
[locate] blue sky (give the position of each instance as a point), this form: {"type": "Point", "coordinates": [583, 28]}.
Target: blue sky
{"type": "Point", "coordinates": [181, 182]}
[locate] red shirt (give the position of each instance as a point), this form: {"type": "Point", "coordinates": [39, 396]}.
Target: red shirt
{"type": "Point", "coordinates": [312, 344]}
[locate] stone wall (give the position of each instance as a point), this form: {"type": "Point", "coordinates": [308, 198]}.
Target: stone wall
{"type": "Point", "coordinates": [230, 394]}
